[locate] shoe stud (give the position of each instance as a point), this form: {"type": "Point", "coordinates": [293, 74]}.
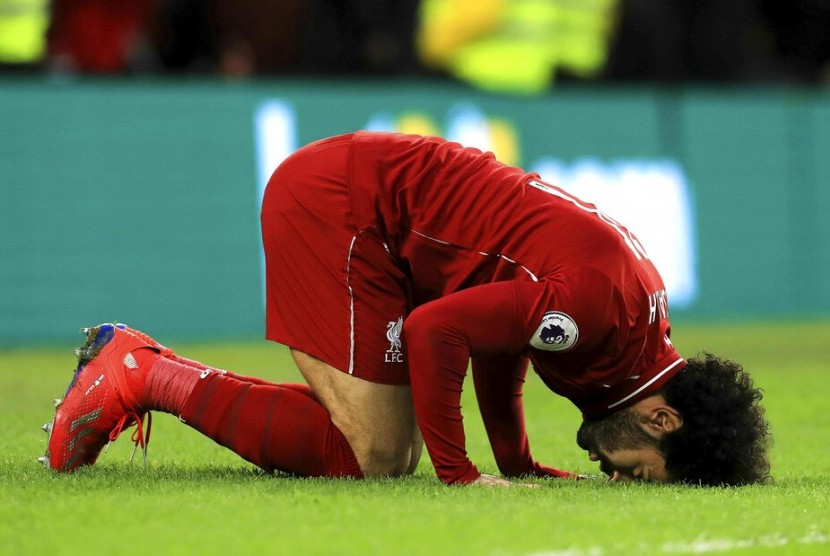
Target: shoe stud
{"type": "Point", "coordinates": [58, 402]}
{"type": "Point", "coordinates": [84, 355]}
{"type": "Point", "coordinates": [47, 427]}
{"type": "Point", "coordinates": [44, 460]}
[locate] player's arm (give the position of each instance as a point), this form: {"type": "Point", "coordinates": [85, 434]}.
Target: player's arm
{"type": "Point", "coordinates": [499, 380]}
{"type": "Point", "coordinates": [441, 336]}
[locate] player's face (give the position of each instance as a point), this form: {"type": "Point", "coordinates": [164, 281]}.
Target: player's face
{"type": "Point", "coordinates": [623, 448]}
{"type": "Point", "coordinates": [633, 464]}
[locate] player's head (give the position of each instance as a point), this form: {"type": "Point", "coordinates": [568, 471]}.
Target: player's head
{"type": "Point", "coordinates": [623, 447]}
{"type": "Point", "coordinates": [705, 427]}
{"type": "Point", "coordinates": [725, 436]}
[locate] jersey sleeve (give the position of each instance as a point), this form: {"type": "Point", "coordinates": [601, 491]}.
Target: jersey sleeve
{"type": "Point", "coordinates": [498, 381]}
{"type": "Point", "coordinates": [441, 336]}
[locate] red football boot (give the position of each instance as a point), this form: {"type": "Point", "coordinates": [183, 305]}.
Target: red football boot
{"type": "Point", "coordinates": [102, 400]}
{"type": "Point", "coordinates": [162, 349]}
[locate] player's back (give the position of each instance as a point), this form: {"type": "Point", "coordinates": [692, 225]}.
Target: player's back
{"type": "Point", "coordinates": [458, 217]}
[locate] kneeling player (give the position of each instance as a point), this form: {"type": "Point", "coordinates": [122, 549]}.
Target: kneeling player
{"type": "Point", "coordinates": [392, 262]}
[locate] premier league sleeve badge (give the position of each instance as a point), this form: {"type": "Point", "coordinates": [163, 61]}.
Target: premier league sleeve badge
{"type": "Point", "coordinates": [557, 332]}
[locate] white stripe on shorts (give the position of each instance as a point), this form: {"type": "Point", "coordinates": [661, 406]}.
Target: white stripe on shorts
{"type": "Point", "coordinates": [351, 307]}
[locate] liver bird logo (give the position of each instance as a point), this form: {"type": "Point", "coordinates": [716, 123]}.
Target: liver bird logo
{"type": "Point", "coordinates": [393, 334]}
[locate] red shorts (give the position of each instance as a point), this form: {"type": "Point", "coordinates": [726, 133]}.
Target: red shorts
{"type": "Point", "coordinates": [333, 291]}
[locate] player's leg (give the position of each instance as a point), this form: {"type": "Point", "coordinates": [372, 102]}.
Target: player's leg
{"type": "Point", "coordinates": [272, 425]}
{"type": "Point", "coordinates": [192, 363]}
{"type": "Point", "coordinates": [121, 377]}
{"type": "Point", "coordinates": [378, 420]}
{"type": "Point", "coordinates": [336, 296]}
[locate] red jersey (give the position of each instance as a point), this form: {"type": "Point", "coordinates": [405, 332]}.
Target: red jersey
{"type": "Point", "coordinates": [371, 233]}
{"type": "Point", "coordinates": [504, 267]}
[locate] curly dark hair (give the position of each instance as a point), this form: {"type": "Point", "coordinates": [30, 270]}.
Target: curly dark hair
{"type": "Point", "coordinates": [725, 436]}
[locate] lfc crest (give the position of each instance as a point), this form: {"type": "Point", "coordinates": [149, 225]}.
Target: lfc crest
{"type": "Point", "coordinates": [393, 334]}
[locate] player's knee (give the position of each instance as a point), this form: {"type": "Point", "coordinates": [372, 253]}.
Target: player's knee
{"type": "Point", "coordinates": [385, 458]}
{"type": "Point", "coordinates": [388, 462]}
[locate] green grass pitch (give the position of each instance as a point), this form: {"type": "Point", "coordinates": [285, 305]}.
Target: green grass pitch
{"type": "Point", "coordinates": [195, 497]}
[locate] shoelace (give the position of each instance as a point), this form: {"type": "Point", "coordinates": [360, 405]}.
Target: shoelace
{"type": "Point", "coordinates": [138, 437]}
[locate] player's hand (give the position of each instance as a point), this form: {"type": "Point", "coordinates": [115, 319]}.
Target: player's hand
{"type": "Point", "coordinates": [540, 470]}
{"type": "Point", "coordinates": [493, 481]}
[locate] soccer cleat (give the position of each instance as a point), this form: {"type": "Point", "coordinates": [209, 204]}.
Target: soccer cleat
{"type": "Point", "coordinates": [163, 350]}
{"type": "Point", "coordinates": [102, 400]}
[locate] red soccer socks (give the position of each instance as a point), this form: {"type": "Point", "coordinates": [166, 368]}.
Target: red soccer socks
{"type": "Point", "coordinates": [168, 382]}
{"type": "Point", "coordinates": [274, 426]}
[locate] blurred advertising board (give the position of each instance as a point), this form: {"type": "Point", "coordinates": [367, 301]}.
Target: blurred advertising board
{"type": "Point", "coordinates": [138, 201]}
